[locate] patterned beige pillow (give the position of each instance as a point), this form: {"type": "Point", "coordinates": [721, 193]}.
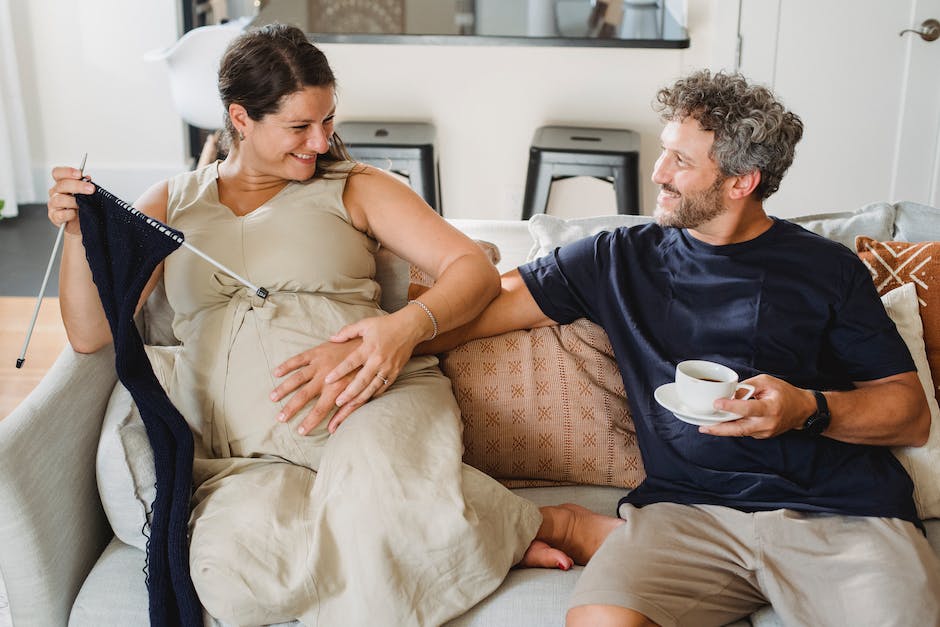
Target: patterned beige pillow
{"type": "Point", "coordinates": [895, 263]}
{"type": "Point", "coordinates": [545, 406]}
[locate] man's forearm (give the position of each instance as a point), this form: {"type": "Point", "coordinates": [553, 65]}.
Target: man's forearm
{"type": "Point", "coordinates": [514, 308]}
{"type": "Point", "coordinates": [890, 412]}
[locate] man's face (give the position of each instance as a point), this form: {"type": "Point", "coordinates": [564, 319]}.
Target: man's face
{"type": "Point", "coordinates": [691, 185]}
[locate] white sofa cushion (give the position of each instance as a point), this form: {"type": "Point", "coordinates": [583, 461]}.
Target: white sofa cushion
{"type": "Point", "coordinates": [549, 232]}
{"type": "Point", "coordinates": [124, 465]}
{"type": "Point", "coordinates": [922, 463]}
{"type": "Point", "coordinates": [915, 223]}
{"type": "Point", "coordinates": [5, 619]}
{"type": "Point", "coordinates": [124, 469]}
{"type": "Point", "coordinates": [874, 220]}
{"type": "Point", "coordinates": [511, 237]}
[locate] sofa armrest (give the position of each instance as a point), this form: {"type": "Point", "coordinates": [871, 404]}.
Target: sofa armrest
{"type": "Point", "coordinates": [52, 526]}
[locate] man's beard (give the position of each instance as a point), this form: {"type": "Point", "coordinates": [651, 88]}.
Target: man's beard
{"type": "Point", "coordinates": [694, 209]}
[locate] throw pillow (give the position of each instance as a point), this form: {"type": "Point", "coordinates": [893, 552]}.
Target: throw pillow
{"type": "Point", "coordinates": [894, 263]}
{"type": "Point", "coordinates": [916, 223]}
{"type": "Point", "coordinates": [124, 462]}
{"type": "Point", "coordinates": [922, 463]}
{"type": "Point", "coordinates": [550, 232]}
{"type": "Point", "coordinates": [545, 405]}
{"type": "Point", "coordinates": [124, 469]}
{"type": "Point", "coordinates": [875, 220]}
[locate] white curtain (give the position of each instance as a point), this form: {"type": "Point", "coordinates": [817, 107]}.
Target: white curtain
{"type": "Point", "coordinates": [16, 179]}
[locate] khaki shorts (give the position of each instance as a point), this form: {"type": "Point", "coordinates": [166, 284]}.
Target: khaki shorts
{"type": "Point", "coordinates": [701, 565]}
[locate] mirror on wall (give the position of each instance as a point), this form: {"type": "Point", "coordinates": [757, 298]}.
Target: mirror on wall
{"type": "Point", "coordinates": [619, 23]}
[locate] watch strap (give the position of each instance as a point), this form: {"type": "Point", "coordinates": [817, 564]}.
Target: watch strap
{"type": "Point", "coordinates": [819, 420]}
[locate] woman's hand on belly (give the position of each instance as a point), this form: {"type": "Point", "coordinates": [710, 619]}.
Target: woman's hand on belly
{"type": "Point", "coordinates": [306, 378]}
{"type": "Point", "coordinates": [386, 343]}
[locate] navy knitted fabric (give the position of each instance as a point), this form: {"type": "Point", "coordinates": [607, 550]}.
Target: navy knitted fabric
{"type": "Point", "coordinates": [123, 247]}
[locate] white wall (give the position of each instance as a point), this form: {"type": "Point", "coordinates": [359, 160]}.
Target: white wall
{"type": "Point", "coordinates": [91, 91]}
{"type": "Point", "coordinates": [88, 89]}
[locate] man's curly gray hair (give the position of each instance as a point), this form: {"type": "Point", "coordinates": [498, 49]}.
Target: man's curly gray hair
{"type": "Point", "coordinates": [753, 131]}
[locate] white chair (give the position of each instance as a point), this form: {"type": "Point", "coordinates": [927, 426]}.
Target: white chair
{"type": "Point", "coordinates": [193, 62]}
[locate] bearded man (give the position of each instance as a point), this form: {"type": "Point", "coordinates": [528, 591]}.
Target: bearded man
{"type": "Point", "coordinates": [798, 503]}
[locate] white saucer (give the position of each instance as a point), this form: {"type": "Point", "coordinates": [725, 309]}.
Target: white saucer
{"type": "Point", "coordinates": [667, 396]}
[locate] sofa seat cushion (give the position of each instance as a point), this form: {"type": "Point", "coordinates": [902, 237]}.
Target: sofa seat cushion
{"type": "Point", "coordinates": [114, 592]}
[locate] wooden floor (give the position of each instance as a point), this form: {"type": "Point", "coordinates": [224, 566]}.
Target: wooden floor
{"type": "Point", "coordinates": [47, 342]}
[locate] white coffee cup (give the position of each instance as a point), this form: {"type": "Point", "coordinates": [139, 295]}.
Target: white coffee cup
{"type": "Point", "coordinates": [700, 383]}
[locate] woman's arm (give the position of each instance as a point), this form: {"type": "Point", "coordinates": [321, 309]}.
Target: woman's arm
{"type": "Point", "coordinates": [82, 314]}
{"type": "Point", "coordinates": [513, 309]}
{"type": "Point", "coordinates": [465, 281]}
{"type": "Point", "coordinates": [388, 210]}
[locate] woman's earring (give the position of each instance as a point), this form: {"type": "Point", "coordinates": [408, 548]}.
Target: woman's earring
{"type": "Point", "coordinates": [241, 136]}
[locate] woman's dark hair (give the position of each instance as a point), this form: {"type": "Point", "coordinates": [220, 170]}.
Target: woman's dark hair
{"type": "Point", "coordinates": [263, 66]}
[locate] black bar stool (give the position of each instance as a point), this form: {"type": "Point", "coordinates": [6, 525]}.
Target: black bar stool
{"type": "Point", "coordinates": [405, 148]}
{"type": "Point", "coordinates": [559, 152]}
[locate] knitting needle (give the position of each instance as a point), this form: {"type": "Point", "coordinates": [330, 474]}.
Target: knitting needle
{"type": "Point", "coordinates": [156, 224]}
{"type": "Point", "coordinates": [45, 279]}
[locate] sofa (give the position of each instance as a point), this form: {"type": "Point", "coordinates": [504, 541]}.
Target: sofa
{"type": "Point", "coordinates": [71, 550]}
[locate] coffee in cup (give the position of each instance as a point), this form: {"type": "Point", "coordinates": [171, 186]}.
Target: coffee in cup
{"type": "Point", "coordinates": [700, 383]}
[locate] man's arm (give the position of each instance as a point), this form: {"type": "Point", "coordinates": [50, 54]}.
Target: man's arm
{"type": "Point", "coordinates": [891, 411]}
{"type": "Point", "coordinates": [514, 308]}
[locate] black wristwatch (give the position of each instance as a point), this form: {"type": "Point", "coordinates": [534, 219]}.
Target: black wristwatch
{"type": "Point", "coordinates": [819, 420]}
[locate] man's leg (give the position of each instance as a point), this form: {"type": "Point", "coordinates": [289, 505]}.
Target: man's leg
{"type": "Point", "coordinates": [606, 616]}
{"type": "Point", "coordinates": [826, 569]}
{"type": "Point", "coordinates": [671, 564]}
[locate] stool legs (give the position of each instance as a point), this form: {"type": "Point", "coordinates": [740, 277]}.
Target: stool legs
{"type": "Point", "coordinates": [627, 188]}
{"type": "Point", "coordinates": [538, 184]}
{"type": "Point", "coordinates": [566, 151]}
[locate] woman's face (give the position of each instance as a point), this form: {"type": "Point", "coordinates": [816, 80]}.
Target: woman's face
{"type": "Point", "coordinates": [286, 143]}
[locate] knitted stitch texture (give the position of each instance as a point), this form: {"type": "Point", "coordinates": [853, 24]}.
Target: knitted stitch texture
{"type": "Point", "coordinates": [123, 247]}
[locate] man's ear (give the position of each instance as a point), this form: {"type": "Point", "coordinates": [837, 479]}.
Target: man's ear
{"type": "Point", "coordinates": [239, 117]}
{"type": "Point", "coordinates": [743, 185]}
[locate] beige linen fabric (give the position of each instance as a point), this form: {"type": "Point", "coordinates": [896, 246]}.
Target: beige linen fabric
{"type": "Point", "coordinates": [702, 565]}
{"type": "Point", "coordinates": [379, 520]}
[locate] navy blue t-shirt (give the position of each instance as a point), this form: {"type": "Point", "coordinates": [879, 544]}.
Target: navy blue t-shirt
{"type": "Point", "coordinates": [787, 303]}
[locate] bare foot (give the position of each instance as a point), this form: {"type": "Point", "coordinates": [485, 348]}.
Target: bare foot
{"type": "Point", "coordinates": [575, 530]}
{"type": "Point", "coordinates": [540, 555]}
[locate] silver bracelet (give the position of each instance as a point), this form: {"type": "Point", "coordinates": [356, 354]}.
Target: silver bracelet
{"type": "Point", "coordinates": [427, 310]}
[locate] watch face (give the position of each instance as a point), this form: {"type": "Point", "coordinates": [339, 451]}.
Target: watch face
{"type": "Point", "coordinates": [819, 421]}
{"type": "Point", "coordinates": [357, 16]}
{"type": "Point", "coordinates": [816, 423]}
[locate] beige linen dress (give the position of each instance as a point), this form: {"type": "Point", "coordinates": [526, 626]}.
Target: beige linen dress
{"type": "Point", "coordinates": [378, 524]}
